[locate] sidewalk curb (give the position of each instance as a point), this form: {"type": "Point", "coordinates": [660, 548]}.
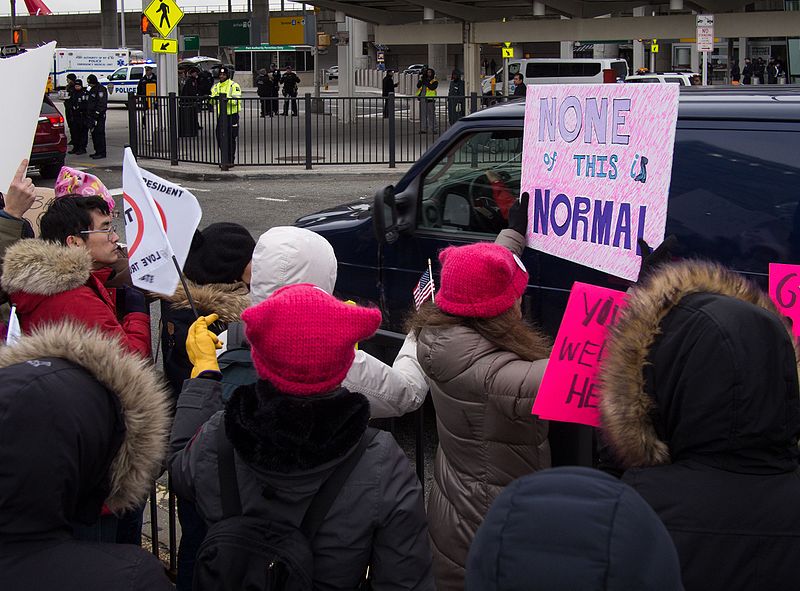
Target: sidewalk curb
{"type": "Point", "coordinates": [175, 172]}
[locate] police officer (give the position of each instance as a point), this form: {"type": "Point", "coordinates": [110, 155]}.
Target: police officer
{"type": "Point", "coordinates": [233, 92]}
{"type": "Point", "coordinates": [79, 109]}
{"type": "Point", "coordinates": [141, 90]}
{"type": "Point", "coordinates": [97, 105]}
{"type": "Point", "coordinates": [290, 82]}
{"type": "Point", "coordinates": [71, 78]}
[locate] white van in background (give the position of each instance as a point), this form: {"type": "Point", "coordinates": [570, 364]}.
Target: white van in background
{"type": "Point", "coordinates": [85, 61]}
{"type": "Point", "coordinates": [560, 71]}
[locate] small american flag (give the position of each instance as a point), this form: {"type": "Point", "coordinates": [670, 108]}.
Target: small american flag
{"type": "Point", "coordinates": [425, 287]}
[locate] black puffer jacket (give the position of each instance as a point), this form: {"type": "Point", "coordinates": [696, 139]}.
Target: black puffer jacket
{"type": "Point", "coordinates": [570, 529]}
{"type": "Point", "coordinates": [81, 425]}
{"type": "Point", "coordinates": [289, 445]}
{"type": "Point", "coordinates": [701, 404]}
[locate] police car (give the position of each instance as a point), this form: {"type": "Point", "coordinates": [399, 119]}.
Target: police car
{"type": "Point", "coordinates": [124, 81]}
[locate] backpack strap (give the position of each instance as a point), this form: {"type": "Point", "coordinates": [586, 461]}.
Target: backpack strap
{"type": "Point", "coordinates": [226, 468]}
{"type": "Point", "coordinates": [327, 494]}
{"type": "Point", "coordinates": [236, 337]}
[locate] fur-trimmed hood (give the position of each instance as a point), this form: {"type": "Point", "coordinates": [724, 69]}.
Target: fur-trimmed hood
{"type": "Point", "coordinates": [82, 423]}
{"type": "Point", "coordinates": [44, 268]}
{"type": "Point", "coordinates": [228, 300]}
{"type": "Point", "coordinates": [702, 366]}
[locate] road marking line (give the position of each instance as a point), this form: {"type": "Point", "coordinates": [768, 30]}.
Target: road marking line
{"type": "Point", "coordinates": [272, 199]}
{"type": "Point", "coordinates": [197, 190]}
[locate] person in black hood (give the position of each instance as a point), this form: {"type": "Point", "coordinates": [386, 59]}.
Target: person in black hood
{"type": "Point", "coordinates": [82, 428]}
{"type": "Point", "coordinates": [572, 528]}
{"type": "Point", "coordinates": [700, 405]}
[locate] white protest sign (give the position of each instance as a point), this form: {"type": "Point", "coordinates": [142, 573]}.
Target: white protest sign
{"type": "Point", "coordinates": [149, 251]}
{"type": "Point", "coordinates": [597, 164]}
{"type": "Point", "coordinates": [20, 105]}
{"type": "Point", "coordinates": [178, 210]}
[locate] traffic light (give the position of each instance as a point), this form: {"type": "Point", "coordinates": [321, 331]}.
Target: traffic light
{"type": "Point", "coordinates": [19, 36]}
{"type": "Point", "coordinates": [147, 27]}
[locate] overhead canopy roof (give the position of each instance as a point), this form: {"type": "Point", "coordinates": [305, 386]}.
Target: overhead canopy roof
{"type": "Point", "coordinates": [397, 12]}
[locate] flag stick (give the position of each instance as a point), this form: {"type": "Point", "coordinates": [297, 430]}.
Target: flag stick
{"type": "Point", "coordinates": [185, 287]}
{"type": "Point", "coordinates": [433, 285]}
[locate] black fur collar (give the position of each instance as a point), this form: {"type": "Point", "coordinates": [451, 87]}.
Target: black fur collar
{"type": "Point", "coordinates": [284, 433]}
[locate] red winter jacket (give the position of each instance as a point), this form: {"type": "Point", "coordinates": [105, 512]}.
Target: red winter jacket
{"type": "Point", "coordinates": [49, 283]}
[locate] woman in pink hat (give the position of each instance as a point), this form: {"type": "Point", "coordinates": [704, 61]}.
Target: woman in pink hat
{"type": "Point", "coordinates": [485, 365]}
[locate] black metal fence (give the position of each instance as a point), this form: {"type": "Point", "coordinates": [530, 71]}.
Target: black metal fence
{"type": "Point", "coordinates": [306, 131]}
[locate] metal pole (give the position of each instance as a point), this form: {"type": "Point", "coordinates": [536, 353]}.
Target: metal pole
{"type": "Point", "coordinates": [307, 104]}
{"type": "Point", "coordinates": [705, 68]}
{"type": "Point", "coordinates": [172, 126]}
{"type": "Point", "coordinates": [392, 131]}
{"type": "Point", "coordinates": [133, 131]}
{"type": "Point", "coordinates": [13, 18]}
{"type": "Point", "coordinates": [122, 25]}
{"type": "Point", "coordinates": [506, 84]}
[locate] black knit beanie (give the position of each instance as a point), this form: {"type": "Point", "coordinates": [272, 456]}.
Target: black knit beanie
{"type": "Point", "coordinates": [219, 254]}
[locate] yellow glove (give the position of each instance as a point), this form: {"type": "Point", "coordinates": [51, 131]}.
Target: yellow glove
{"type": "Point", "coordinates": [202, 345]}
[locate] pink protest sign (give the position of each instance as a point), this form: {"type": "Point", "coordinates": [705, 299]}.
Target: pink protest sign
{"type": "Point", "coordinates": [784, 291]}
{"type": "Point", "coordinates": [569, 390]}
{"type": "Point", "coordinates": [596, 163]}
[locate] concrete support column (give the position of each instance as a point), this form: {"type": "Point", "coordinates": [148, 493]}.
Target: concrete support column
{"type": "Point", "coordinates": [358, 35]}
{"type": "Point", "coordinates": [346, 74]}
{"type": "Point", "coordinates": [638, 46]}
{"type": "Point", "coordinates": [437, 59]}
{"type": "Point", "coordinates": [567, 47]}
{"type": "Point", "coordinates": [109, 38]}
{"type": "Point", "coordinates": [259, 29]}
{"type": "Point", "coordinates": [742, 51]}
{"type": "Point", "coordinates": [472, 62]}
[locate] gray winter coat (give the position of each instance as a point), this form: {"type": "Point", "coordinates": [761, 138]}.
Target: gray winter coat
{"type": "Point", "coordinates": [378, 518]}
{"type": "Point", "coordinates": [487, 435]}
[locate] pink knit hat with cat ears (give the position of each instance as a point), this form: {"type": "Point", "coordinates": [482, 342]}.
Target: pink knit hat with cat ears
{"type": "Point", "coordinates": [76, 182]}
{"type": "Point", "coordinates": [303, 339]}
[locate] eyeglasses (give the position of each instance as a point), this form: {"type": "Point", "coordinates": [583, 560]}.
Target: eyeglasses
{"type": "Point", "coordinates": [112, 229]}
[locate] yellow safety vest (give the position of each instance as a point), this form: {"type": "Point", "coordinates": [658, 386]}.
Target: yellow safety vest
{"type": "Point", "coordinates": [232, 90]}
{"type": "Point", "coordinates": [428, 91]}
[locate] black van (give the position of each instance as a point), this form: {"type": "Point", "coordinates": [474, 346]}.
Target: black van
{"type": "Point", "coordinates": [734, 197]}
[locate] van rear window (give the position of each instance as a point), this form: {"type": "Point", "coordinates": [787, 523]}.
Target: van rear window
{"type": "Point", "coordinates": [620, 69]}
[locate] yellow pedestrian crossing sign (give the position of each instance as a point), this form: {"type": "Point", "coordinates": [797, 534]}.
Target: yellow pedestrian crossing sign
{"type": "Point", "coordinates": [165, 46]}
{"type": "Point", "coordinates": [508, 52]}
{"type": "Point", "coordinates": [164, 15]}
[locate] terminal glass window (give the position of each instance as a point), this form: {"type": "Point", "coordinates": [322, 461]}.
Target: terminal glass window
{"type": "Point", "coordinates": [472, 187]}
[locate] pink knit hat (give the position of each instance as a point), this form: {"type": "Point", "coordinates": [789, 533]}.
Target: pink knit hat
{"type": "Point", "coordinates": [303, 339]}
{"type": "Point", "coordinates": [480, 280]}
{"type": "Point", "coordinates": [76, 182]}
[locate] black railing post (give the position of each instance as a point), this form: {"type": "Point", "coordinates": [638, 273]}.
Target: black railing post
{"type": "Point", "coordinates": [392, 131]}
{"type": "Point", "coordinates": [133, 128]}
{"type": "Point", "coordinates": [307, 103]}
{"type": "Point", "coordinates": [473, 102]}
{"type": "Point", "coordinates": [223, 132]}
{"type": "Point", "coordinates": [172, 126]}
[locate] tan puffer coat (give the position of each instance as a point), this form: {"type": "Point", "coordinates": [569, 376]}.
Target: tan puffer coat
{"type": "Point", "coordinates": [487, 435]}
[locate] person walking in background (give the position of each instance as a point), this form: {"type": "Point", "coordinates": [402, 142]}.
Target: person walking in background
{"type": "Point", "coordinates": [80, 113]}
{"type": "Point", "coordinates": [264, 90]}
{"type": "Point", "coordinates": [456, 101]}
{"type": "Point", "coordinates": [747, 71]}
{"type": "Point", "coordinates": [700, 407]}
{"type": "Point", "coordinates": [572, 528]}
{"type": "Point", "coordinates": [288, 434]}
{"type": "Point", "coordinates": [141, 91]}
{"type": "Point", "coordinates": [388, 88]}
{"type": "Point", "coordinates": [736, 74]}
{"type": "Point", "coordinates": [520, 90]}
{"type": "Point", "coordinates": [96, 107]}
{"type": "Point", "coordinates": [426, 93]}
{"type": "Point", "coordinates": [233, 93]}
{"type": "Point", "coordinates": [485, 365]}
{"type": "Point", "coordinates": [290, 81]}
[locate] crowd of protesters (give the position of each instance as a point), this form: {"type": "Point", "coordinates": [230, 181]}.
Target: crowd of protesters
{"type": "Point", "coordinates": [269, 401]}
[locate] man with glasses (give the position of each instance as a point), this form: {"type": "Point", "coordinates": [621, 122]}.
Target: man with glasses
{"type": "Point", "coordinates": [63, 274]}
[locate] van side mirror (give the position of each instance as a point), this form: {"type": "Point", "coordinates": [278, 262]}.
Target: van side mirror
{"type": "Point", "coordinates": [384, 215]}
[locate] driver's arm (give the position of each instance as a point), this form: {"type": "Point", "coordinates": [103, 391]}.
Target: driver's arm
{"type": "Point", "coordinates": [500, 193]}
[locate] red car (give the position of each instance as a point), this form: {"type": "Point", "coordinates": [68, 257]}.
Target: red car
{"type": "Point", "coordinates": [50, 142]}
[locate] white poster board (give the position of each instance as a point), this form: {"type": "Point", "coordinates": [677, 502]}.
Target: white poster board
{"type": "Point", "coordinates": [26, 77]}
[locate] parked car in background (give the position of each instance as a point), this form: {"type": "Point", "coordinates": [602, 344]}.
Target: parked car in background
{"type": "Point", "coordinates": [50, 142]}
{"type": "Point", "coordinates": [560, 71]}
{"type": "Point", "coordinates": [414, 69]}
{"type": "Point", "coordinates": [124, 81]}
{"type": "Point", "coordinates": [682, 78]}
{"type": "Point", "coordinates": [333, 73]}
